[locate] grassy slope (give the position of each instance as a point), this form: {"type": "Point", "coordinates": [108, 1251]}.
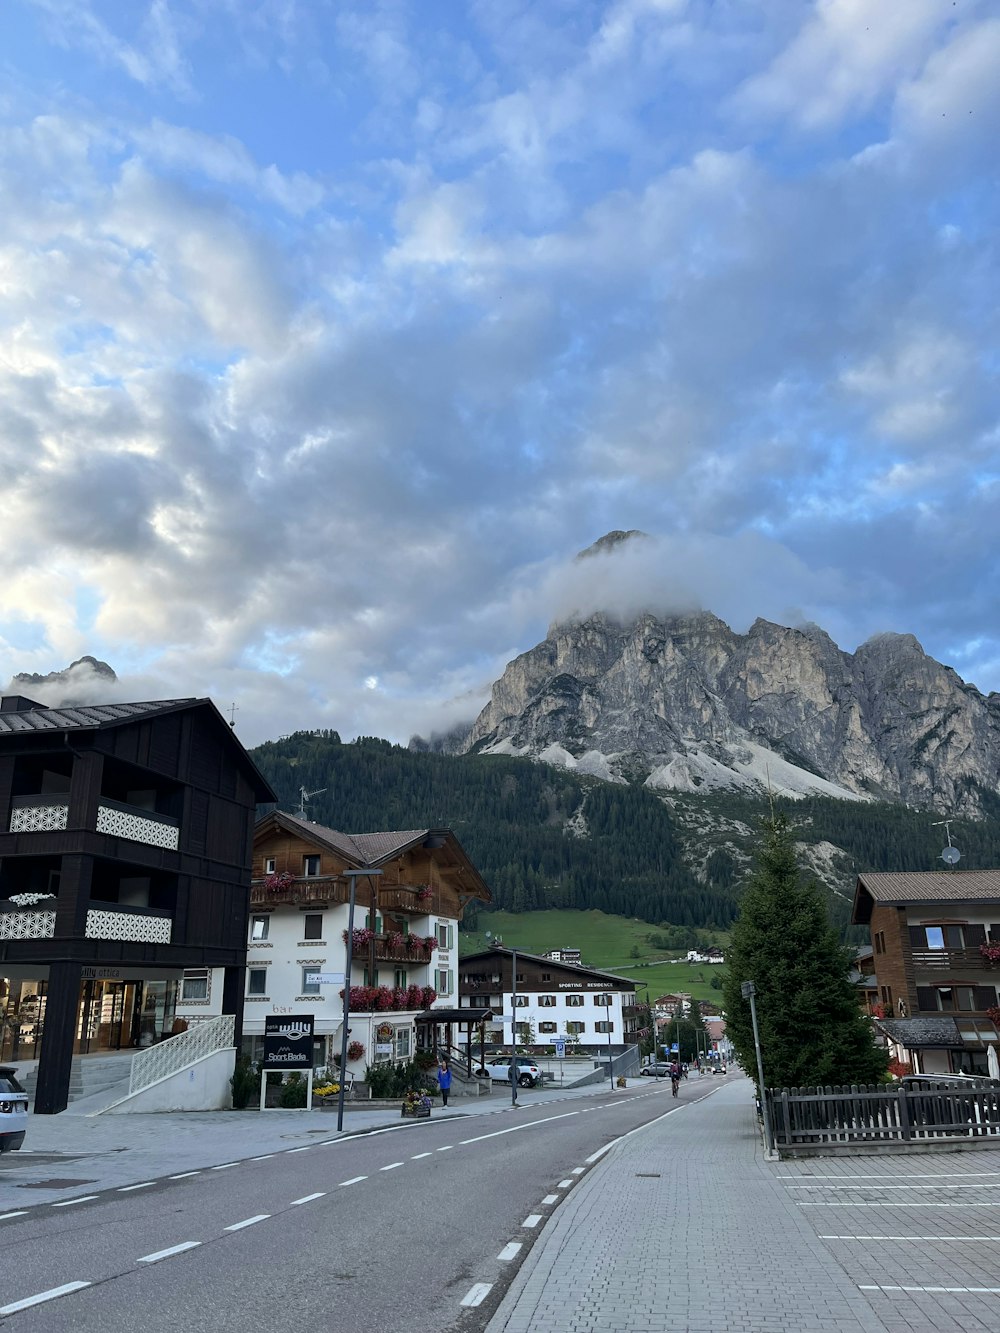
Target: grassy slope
{"type": "Point", "coordinates": [605, 942]}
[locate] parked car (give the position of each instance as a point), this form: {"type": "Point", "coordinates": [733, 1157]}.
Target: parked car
{"type": "Point", "coordinates": [655, 1071]}
{"type": "Point", "coordinates": [13, 1110]}
{"type": "Point", "coordinates": [528, 1073]}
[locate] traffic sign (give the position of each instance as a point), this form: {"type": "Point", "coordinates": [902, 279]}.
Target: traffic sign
{"type": "Point", "coordinates": [560, 1049]}
{"type": "Point", "coordinates": [325, 978]}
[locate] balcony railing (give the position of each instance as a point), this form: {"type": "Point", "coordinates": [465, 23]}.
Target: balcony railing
{"type": "Point", "coordinates": [406, 900]}
{"type": "Point", "coordinates": [320, 890]}
{"type": "Point", "coordinates": [50, 814]}
{"type": "Point", "coordinates": [106, 922]}
{"type": "Point", "coordinates": [952, 960]}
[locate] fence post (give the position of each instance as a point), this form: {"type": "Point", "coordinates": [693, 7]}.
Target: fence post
{"type": "Point", "coordinates": [786, 1117]}
{"type": "Point", "coordinates": [904, 1111]}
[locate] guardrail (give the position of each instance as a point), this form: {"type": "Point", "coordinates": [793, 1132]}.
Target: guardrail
{"type": "Point", "coordinates": [167, 1057]}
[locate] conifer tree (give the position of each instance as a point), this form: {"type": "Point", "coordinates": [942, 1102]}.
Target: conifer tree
{"type": "Point", "coordinates": [812, 1031]}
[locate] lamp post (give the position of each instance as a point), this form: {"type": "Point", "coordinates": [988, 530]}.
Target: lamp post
{"type": "Point", "coordinates": [607, 1024]}
{"type": "Point", "coordinates": [352, 876]}
{"type": "Point", "coordinates": [748, 990]}
{"type": "Point", "coordinates": [513, 1027]}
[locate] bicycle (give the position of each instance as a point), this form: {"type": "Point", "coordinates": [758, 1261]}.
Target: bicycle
{"type": "Point", "coordinates": [674, 1085]}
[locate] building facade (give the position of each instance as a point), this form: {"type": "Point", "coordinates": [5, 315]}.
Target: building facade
{"type": "Point", "coordinates": [587, 1008]}
{"type": "Point", "coordinates": [934, 935]}
{"type": "Point", "coordinates": [404, 946]}
{"type": "Point", "coordinates": [124, 859]}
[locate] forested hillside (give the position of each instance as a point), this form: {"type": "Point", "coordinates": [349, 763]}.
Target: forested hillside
{"type": "Point", "coordinates": [546, 837]}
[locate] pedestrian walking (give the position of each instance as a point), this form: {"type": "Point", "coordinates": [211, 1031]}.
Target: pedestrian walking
{"type": "Point", "coordinates": [444, 1081]}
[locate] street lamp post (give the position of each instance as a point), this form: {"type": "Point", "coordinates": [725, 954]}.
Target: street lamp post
{"type": "Point", "coordinates": [748, 990]}
{"type": "Point", "coordinates": [513, 1027]}
{"type": "Point", "coordinates": [607, 1024]}
{"type": "Point", "coordinates": [352, 876]}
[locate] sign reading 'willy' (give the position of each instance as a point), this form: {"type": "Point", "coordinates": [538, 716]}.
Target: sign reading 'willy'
{"type": "Point", "coordinates": [288, 1041]}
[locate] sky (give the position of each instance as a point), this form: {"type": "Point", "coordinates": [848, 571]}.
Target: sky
{"type": "Point", "coordinates": [331, 331]}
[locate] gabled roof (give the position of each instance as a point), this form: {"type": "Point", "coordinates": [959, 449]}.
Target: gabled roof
{"type": "Point", "coordinates": [570, 969]}
{"type": "Point", "coordinates": [924, 886]}
{"type": "Point", "coordinates": [916, 1033]}
{"type": "Point", "coordinates": [20, 716]}
{"type": "Point", "coordinates": [374, 849]}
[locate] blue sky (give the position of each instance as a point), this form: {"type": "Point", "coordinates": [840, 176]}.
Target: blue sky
{"type": "Point", "coordinates": [329, 332]}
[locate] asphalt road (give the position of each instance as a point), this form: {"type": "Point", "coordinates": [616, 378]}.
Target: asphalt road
{"type": "Point", "coordinates": [391, 1231]}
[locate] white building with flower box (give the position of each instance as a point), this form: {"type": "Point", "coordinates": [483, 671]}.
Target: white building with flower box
{"type": "Point", "coordinates": [405, 948]}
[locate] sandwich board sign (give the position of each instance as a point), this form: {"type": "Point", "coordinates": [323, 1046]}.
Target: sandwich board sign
{"type": "Point", "coordinates": [288, 1041]}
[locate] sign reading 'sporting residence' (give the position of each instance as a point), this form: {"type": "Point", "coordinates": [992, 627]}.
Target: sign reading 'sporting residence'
{"type": "Point", "coordinates": [288, 1041]}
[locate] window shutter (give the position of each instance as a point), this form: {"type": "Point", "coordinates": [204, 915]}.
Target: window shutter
{"type": "Point", "coordinates": [451, 936]}
{"type": "Point", "coordinates": [451, 976]}
{"type": "Point", "coordinates": [918, 937]}
{"type": "Point", "coordinates": [926, 999]}
{"type": "Point", "coordinates": [986, 996]}
{"type": "Point", "coordinates": [974, 936]}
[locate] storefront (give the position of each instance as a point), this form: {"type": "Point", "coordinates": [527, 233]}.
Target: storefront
{"type": "Point", "coordinates": [117, 1010]}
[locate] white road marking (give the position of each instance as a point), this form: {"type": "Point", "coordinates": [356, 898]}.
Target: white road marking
{"type": "Point", "coordinates": [184, 1175]}
{"type": "Point", "coordinates": [125, 1189]}
{"type": "Point", "coordinates": [578, 1171]}
{"type": "Point", "coordinates": [550, 1198]}
{"type": "Point", "coordinates": [165, 1254]}
{"type": "Point", "coordinates": [248, 1222]}
{"type": "Point", "coordinates": [224, 1167]}
{"type": "Point", "coordinates": [49, 1295]}
{"type": "Point", "coordinates": [263, 1158]}
{"type": "Point", "coordinates": [982, 1291]}
{"type": "Point", "coordinates": [305, 1149]}
{"type": "Point", "coordinates": [958, 1238]}
{"type": "Point", "coordinates": [5, 1216]}
{"type": "Point", "coordinates": [531, 1124]}
{"type": "Point", "coordinates": [418, 1156]}
{"type": "Point", "coordinates": [68, 1203]}
{"type": "Point", "coordinates": [447, 1147]}
{"type": "Point", "coordinates": [564, 1184]}
{"type": "Point", "coordinates": [391, 1167]}
{"type": "Point", "coordinates": [307, 1198]}
{"type": "Point", "coordinates": [857, 1203]}
{"type": "Point", "coordinates": [884, 1175]}
{"type": "Point", "coordinates": [354, 1180]}
{"type": "Point", "coordinates": [532, 1221]}
{"type": "Point", "coordinates": [477, 1294]}
{"type": "Point", "coordinates": [892, 1187]}
{"type": "Point", "coordinates": [509, 1251]}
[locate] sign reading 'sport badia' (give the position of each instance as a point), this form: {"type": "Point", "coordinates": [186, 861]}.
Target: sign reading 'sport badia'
{"type": "Point", "coordinates": [288, 1041]}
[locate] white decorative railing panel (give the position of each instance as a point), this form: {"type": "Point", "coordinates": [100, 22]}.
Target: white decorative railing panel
{"type": "Point", "coordinates": [27, 925]}
{"type": "Point", "coordinates": [167, 1057]}
{"type": "Point", "coordinates": [41, 817]}
{"type": "Point", "coordinates": [121, 822]}
{"type": "Point", "coordinates": [105, 923]}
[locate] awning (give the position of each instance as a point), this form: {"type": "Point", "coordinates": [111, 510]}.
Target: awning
{"type": "Point", "coordinates": [467, 1014]}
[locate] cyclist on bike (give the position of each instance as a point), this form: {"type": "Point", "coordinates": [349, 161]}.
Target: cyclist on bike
{"type": "Point", "coordinates": [675, 1077]}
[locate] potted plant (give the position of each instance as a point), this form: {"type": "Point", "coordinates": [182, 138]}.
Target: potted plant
{"type": "Point", "coordinates": [416, 1105]}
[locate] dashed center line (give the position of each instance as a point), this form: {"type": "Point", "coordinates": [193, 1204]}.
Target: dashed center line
{"type": "Point", "coordinates": [126, 1189]}
{"type": "Point", "coordinates": [305, 1149]}
{"type": "Point", "coordinates": [447, 1147]}
{"type": "Point", "coordinates": [224, 1167]}
{"type": "Point", "coordinates": [5, 1216]}
{"type": "Point", "coordinates": [248, 1222]}
{"type": "Point", "coordinates": [68, 1203]}
{"type": "Point", "coordinates": [49, 1295]}
{"type": "Point", "coordinates": [391, 1167]}
{"type": "Point", "coordinates": [157, 1255]}
{"type": "Point", "coordinates": [184, 1175]}
{"type": "Point", "coordinates": [354, 1180]}
{"type": "Point", "coordinates": [264, 1157]}
{"type": "Point", "coordinates": [307, 1198]}
{"type": "Point", "coordinates": [417, 1156]}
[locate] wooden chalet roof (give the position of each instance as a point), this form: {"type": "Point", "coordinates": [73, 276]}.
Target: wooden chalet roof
{"type": "Point", "coordinates": [374, 849]}
{"type": "Point", "coordinates": [924, 886]}
{"type": "Point", "coordinates": [613, 981]}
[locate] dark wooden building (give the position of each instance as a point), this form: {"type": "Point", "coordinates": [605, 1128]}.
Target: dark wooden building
{"type": "Point", "coordinates": [126, 835]}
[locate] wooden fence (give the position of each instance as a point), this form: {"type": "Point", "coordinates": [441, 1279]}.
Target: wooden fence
{"type": "Point", "coordinates": [883, 1113]}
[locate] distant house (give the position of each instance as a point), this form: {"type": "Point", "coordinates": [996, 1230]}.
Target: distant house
{"type": "Point", "coordinates": [705, 956]}
{"type": "Point", "coordinates": [935, 944]}
{"type": "Point", "coordinates": [669, 1006]}
{"type": "Point", "coordinates": [554, 998]}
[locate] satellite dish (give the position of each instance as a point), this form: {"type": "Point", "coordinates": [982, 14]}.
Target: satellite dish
{"type": "Point", "coordinates": [951, 856]}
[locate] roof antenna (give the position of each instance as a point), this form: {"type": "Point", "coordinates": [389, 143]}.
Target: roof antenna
{"type": "Point", "coordinates": [234, 708]}
{"type": "Point", "coordinates": [305, 796]}
{"type": "Point", "coordinates": [951, 855]}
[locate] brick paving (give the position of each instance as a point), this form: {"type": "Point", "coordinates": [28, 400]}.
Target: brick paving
{"type": "Point", "coordinates": [685, 1226]}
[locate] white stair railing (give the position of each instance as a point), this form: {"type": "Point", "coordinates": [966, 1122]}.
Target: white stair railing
{"type": "Point", "coordinates": [167, 1057]}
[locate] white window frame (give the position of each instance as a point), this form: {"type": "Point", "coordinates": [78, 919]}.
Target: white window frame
{"type": "Point", "coordinates": [444, 978]}
{"type": "Point", "coordinates": [255, 921]}
{"type": "Point", "coordinates": [604, 1001]}
{"type": "Point", "coordinates": [575, 1000]}
{"type": "Point", "coordinates": [575, 1029]}
{"type": "Point", "coordinates": [604, 1026]}
{"type": "Point", "coordinates": [309, 987]}
{"type": "Point", "coordinates": [269, 864]}
{"type": "Point", "coordinates": [308, 859]}
{"type": "Point", "coordinates": [196, 975]}
{"type": "Point", "coordinates": [306, 916]}
{"type": "Point", "coordinates": [251, 973]}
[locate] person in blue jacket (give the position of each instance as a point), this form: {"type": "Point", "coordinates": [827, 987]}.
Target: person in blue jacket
{"type": "Point", "coordinates": [444, 1081]}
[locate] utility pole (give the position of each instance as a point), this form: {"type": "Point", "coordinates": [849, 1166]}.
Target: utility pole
{"type": "Point", "coordinates": [513, 1027]}
{"type": "Point", "coordinates": [352, 876]}
{"type": "Point", "coordinates": [748, 990]}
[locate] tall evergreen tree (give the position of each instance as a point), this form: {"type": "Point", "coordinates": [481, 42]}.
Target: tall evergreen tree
{"type": "Point", "coordinates": [811, 1029]}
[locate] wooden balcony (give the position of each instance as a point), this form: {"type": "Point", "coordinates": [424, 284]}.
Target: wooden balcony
{"type": "Point", "coordinates": [951, 960]}
{"type": "Point", "coordinates": [404, 899]}
{"type": "Point", "coordinates": [308, 891]}
{"type": "Point", "coordinates": [398, 953]}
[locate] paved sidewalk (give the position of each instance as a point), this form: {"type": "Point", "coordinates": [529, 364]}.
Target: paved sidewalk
{"type": "Point", "coordinates": [81, 1152]}
{"type": "Point", "coordinates": [684, 1226]}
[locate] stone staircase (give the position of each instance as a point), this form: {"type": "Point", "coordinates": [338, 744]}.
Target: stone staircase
{"type": "Point", "coordinates": [90, 1076]}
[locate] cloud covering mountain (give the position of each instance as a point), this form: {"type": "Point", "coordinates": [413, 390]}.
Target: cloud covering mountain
{"type": "Point", "coordinates": [330, 332]}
